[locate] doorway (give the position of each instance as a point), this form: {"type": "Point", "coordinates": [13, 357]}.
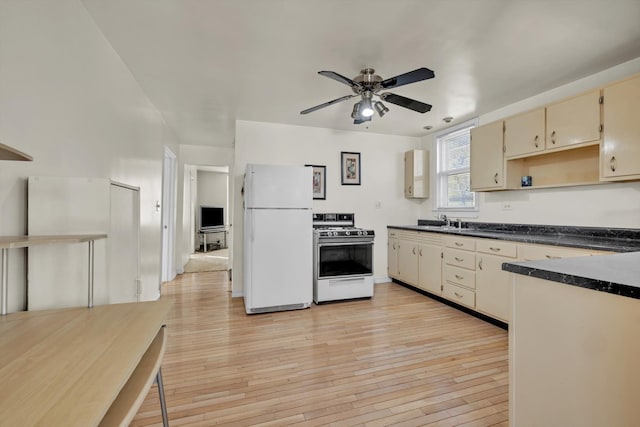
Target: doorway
{"type": "Point", "coordinates": [209, 213]}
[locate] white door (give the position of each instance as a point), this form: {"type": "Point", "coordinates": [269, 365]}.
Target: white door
{"type": "Point", "coordinates": [168, 215]}
{"type": "Point", "coordinates": [124, 246]}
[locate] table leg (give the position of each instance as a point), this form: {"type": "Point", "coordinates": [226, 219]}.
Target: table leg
{"type": "Point", "coordinates": [163, 404]}
{"type": "Point", "coordinates": [91, 246]}
{"type": "Point", "coordinates": [4, 292]}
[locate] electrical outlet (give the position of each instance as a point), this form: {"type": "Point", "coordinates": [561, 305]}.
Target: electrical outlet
{"type": "Point", "coordinates": [507, 207]}
{"type": "Point", "coordinates": [378, 204]}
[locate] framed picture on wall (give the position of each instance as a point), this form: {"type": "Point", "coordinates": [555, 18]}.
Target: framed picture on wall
{"type": "Point", "coordinates": [319, 182]}
{"type": "Point", "coordinates": [350, 166]}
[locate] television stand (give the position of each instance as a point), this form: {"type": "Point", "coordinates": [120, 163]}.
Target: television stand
{"type": "Point", "coordinates": [204, 234]}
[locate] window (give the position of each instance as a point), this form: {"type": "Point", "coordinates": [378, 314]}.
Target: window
{"type": "Point", "coordinates": [454, 176]}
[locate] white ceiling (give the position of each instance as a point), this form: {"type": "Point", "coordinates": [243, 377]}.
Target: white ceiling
{"type": "Point", "coordinates": [206, 63]}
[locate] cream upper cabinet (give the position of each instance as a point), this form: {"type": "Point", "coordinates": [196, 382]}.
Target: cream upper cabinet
{"type": "Point", "coordinates": [620, 153]}
{"type": "Point", "coordinates": [487, 157]}
{"type": "Point", "coordinates": [416, 174]}
{"type": "Point", "coordinates": [524, 133]}
{"type": "Point", "coordinates": [574, 121]}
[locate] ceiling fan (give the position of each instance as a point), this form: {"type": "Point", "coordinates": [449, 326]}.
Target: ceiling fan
{"type": "Point", "coordinates": [367, 85]}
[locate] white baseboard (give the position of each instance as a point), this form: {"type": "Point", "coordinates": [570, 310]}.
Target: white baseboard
{"type": "Point", "coordinates": [236, 294]}
{"type": "Point", "coordinates": [385, 279]}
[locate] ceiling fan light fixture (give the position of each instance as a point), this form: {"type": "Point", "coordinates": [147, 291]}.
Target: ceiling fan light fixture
{"type": "Point", "coordinates": [380, 108]}
{"type": "Point", "coordinates": [366, 109]}
{"type": "Point", "coordinates": [355, 114]}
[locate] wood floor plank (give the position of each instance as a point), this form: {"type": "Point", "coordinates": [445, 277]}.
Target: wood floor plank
{"type": "Point", "coordinates": [398, 359]}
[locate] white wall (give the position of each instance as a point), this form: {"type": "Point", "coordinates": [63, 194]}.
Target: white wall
{"type": "Point", "coordinates": [67, 99]}
{"type": "Point", "coordinates": [606, 205]}
{"type": "Point", "coordinates": [382, 158]}
{"type": "Point", "coordinates": [189, 158]}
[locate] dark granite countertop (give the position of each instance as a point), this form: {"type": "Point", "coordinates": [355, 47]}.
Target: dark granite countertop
{"type": "Point", "coordinates": [594, 238]}
{"type": "Point", "coordinates": [615, 274]}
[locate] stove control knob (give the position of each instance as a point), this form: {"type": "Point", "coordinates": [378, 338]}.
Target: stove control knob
{"type": "Point", "coordinates": [359, 233]}
{"type": "Point", "coordinates": [335, 233]}
{"type": "Point", "coordinates": [348, 233]}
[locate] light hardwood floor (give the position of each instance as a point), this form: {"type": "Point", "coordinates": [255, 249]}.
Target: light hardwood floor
{"type": "Point", "coordinates": [400, 359]}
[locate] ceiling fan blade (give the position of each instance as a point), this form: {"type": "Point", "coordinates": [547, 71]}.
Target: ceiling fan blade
{"type": "Point", "coordinates": [339, 78]}
{"type": "Point", "coordinates": [406, 78]}
{"type": "Point", "coordinates": [409, 103]}
{"type": "Point", "coordinates": [326, 104]}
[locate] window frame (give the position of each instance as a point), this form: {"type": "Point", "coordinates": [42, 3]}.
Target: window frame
{"type": "Point", "coordinates": [442, 174]}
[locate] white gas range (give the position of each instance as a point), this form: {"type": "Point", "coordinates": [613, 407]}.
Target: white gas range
{"type": "Point", "coordinates": [342, 258]}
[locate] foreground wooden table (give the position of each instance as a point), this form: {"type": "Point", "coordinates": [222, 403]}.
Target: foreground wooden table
{"type": "Point", "coordinates": [79, 366]}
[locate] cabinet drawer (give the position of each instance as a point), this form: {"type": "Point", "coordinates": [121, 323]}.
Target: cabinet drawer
{"type": "Point", "coordinates": [460, 258]}
{"type": "Point", "coordinates": [459, 295]}
{"type": "Point", "coordinates": [456, 242]}
{"type": "Point", "coordinates": [497, 247]}
{"type": "Point", "coordinates": [536, 252]}
{"type": "Point", "coordinates": [460, 276]}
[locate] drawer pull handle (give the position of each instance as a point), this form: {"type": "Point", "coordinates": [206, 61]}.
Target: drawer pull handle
{"type": "Point", "coordinates": [553, 137]}
{"type": "Point", "coordinates": [458, 259]}
{"type": "Point", "coordinates": [495, 178]}
{"type": "Point", "coordinates": [414, 250]}
{"type": "Point", "coordinates": [495, 249]}
{"type": "Point", "coordinates": [394, 246]}
{"type": "Point", "coordinates": [535, 141]}
{"type": "Point", "coordinates": [458, 244]}
{"type": "Point", "coordinates": [458, 295]}
{"type": "Point", "coordinates": [480, 264]}
{"type": "Point", "coordinates": [420, 251]}
{"type": "Point", "coordinates": [613, 163]}
{"type": "Point", "coordinates": [459, 277]}
{"type": "Point", "coordinates": [552, 257]}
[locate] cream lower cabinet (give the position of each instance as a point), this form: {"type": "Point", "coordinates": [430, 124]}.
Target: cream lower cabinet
{"type": "Point", "coordinates": [392, 254]}
{"type": "Point", "coordinates": [430, 263]}
{"type": "Point", "coordinates": [493, 285]}
{"type": "Point", "coordinates": [465, 270]}
{"type": "Point", "coordinates": [459, 276]}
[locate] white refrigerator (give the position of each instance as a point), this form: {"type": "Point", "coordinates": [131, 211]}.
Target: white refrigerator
{"type": "Point", "coordinates": [278, 238]}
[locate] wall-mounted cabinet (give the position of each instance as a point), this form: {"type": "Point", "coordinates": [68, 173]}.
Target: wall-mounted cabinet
{"type": "Point", "coordinates": [621, 143]}
{"type": "Point", "coordinates": [573, 121]}
{"type": "Point", "coordinates": [588, 139]}
{"type": "Point", "coordinates": [416, 174]}
{"type": "Point", "coordinates": [524, 133]}
{"type": "Point", "coordinates": [487, 156]}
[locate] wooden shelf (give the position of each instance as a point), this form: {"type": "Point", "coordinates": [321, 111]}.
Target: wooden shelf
{"type": "Point", "coordinates": [577, 166]}
{"type": "Point", "coordinates": [10, 153]}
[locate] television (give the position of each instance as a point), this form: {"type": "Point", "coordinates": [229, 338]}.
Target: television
{"type": "Point", "coordinates": [211, 218]}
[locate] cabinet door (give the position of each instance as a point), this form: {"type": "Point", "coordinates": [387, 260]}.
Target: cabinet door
{"type": "Point", "coordinates": [430, 268]}
{"type": "Point", "coordinates": [487, 157]}
{"type": "Point", "coordinates": [408, 262]}
{"type": "Point", "coordinates": [392, 257]}
{"type": "Point", "coordinates": [416, 174]}
{"type": "Point", "coordinates": [574, 121]}
{"type": "Point", "coordinates": [620, 155]}
{"type": "Point", "coordinates": [493, 287]}
{"type": "Point", "coordinates": [524, 133]}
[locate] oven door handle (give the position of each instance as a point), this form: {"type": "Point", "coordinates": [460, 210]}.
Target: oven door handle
{"type": "Point", "coordinates": [344, 243]}
{"type": "Point", "coordinates": [349, 279]}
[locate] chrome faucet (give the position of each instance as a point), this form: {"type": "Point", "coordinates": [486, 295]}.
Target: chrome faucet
{"type": "Point", "coordinates": [446, 220]}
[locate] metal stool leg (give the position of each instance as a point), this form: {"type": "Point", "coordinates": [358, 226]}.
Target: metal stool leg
{"type": "Point", "coordinates": [163, 404]}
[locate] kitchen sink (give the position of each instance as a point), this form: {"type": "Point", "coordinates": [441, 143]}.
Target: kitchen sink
{"type": "Point", "coordinates": [442, 228]}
